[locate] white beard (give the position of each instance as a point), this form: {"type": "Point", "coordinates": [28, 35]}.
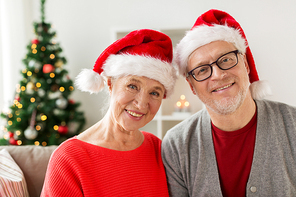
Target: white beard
{"type": "Point", "coordinates": [225, 106]}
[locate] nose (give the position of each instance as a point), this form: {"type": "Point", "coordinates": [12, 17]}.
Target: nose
{"type": "Point", "coordinates": [217, 73]}
{"type": "Point", "coordinates": [141, 100]}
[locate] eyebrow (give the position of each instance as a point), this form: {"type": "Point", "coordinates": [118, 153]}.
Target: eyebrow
{"type": "Point", "coordinates": [203, 62]}
{"type": "Point", "coordinates": [135, 80]}
{"type": "Point", "coordinates": [155, 87]}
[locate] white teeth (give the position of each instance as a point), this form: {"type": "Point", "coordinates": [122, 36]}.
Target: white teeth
{"type": "Point", "coordinates": [134, 114]}
{"type": "Point", "coordinates": [223, 87]}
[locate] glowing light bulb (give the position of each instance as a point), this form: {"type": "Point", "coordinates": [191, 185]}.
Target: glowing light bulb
{"type": "Point", "coordinates": [179, 104]}
{"type": "Point", "coordinates": [52, 56]}
{"type": "Point", "coordinates": [43, 117]}
{"type": "Point", "coordinates": [62, 89]}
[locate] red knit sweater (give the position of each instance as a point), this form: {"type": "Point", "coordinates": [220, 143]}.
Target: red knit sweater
{"type": "Point", "coordinates": [78, 168]}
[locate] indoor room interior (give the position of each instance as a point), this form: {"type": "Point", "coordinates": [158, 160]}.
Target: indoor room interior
{"type": "Point", "coordinates": [84, 28]}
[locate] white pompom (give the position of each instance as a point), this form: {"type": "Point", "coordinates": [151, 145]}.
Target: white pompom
{"type": "Point", "coordinates": [260, 89]}
{"type": "Point", "coordinates": [89, 81]}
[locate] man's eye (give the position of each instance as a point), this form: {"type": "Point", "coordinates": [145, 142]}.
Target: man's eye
{"type": "Point", "coordinates": [202, 70]}
{"type": "Point", "coordinates": [133, 87]}
{"type": "Point", "coordinates": [225, 60]}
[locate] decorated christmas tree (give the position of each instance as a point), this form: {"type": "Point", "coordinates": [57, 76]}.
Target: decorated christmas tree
{"type": "Point", "coordinates": [42, 112]}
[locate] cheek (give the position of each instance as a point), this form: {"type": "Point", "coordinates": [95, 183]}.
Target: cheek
{"type": "Point", "coordinates": [154, 106]}
{"type": "Point", "coordinates": [119, 102]}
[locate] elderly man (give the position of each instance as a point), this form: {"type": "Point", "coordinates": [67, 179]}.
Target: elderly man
{"type": "Point", "coordinates": [239, 145]}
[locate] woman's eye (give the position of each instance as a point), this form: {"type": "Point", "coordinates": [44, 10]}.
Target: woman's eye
{"type": "Point", "coordinates": [155, 93]}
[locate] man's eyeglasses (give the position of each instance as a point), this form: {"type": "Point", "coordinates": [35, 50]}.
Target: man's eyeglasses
{"type": "Point", "coordinates": [224, 62]}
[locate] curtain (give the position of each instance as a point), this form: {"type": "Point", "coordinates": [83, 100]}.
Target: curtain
{"type": "Point", "coordinates": [15, 32]}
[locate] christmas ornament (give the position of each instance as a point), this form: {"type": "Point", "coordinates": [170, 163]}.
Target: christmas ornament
{"type": "Point", "coordinates": [35, 41]}
{"type": "Point", "coordinates": [12, 141]}
{"type": "Point", "coordinates": [41, 93]}
{"type": "Point", "coordinates": [62, 103]}
{"type": "Point", "coordinates": [10, 134]}
{"type": "Point", "coordinates": [63, 129]}
{"type": "Point", "coordinates": [33, 63]}
{"type": "Point", "coordinates": [17, 97]}
{"type": "Point", "coordinates": [58, 70]}
{"type": "Point", "coordinates": [58, 112]}
{"type": "Point", "coordinates": [30, 88]}
{"type": "Point", "coordinates": [48, 68]}
{"type": "Point", "coordinates": [59, 63]}
{"type": "Point", "coordinates": [54, 95]}
{"type": "Point", "coordinates": [30, 133]}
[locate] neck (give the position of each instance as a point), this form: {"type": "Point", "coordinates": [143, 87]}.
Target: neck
{"type": "Point", "coordinates": [236, 120]}
{"type": "Point", "coordinates": [108, 134]}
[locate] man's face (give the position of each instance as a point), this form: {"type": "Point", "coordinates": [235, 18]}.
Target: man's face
{"type": "Point", "coordinates": [225, 91]}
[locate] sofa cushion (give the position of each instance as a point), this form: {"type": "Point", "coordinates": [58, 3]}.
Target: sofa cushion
{"type": "Point", "coordinates": [12, 180]}
{"type": "Point", "coordinates": [33, 161]}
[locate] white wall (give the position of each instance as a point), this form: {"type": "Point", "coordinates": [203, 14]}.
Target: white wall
{"type": "Point", "coordinates": [84, 29]}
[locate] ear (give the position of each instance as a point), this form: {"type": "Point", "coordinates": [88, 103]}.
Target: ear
{"type": "Point", "coordinates": [246, 63]}
{"type": "Point", "coordinates": [110, 85]}
{"type": "Point", "coordinates": [191, 86]}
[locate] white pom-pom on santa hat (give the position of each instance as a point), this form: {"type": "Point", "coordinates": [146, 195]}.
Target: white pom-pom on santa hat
{"type": "Point", "coordinates": [89, 81]}
{"type": "Point", "coordinates": [216, 25]}
{"type": "Point", "coordinates": [142, 52]}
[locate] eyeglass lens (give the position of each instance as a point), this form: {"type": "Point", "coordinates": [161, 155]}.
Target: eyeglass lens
{"type": "Point", "coordinates": [224, 62]}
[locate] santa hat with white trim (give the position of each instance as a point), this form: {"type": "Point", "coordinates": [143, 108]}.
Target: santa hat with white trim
{"type": "Point", "coordinates": [144, 52]}
{"type": "Point", "coordinates": [215, 25]}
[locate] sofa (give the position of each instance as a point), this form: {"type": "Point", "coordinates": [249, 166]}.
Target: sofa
{"type": "Point", "coordinates": [33, 161]}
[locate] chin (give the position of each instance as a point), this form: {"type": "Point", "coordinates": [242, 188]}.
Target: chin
{"type": "Point", "coordinates": [226, 106]}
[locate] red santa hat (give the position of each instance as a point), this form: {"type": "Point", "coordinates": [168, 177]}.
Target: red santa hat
{"type": "Point", "coordinates": [215, 25]}
{"type": "Point", "coordinates": [144, 52]}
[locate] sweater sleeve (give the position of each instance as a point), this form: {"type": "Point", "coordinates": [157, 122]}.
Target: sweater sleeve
{"type": "Point", "coordinates": [61, 178]}
{"type": "Point", "coordinates": [171, 161]}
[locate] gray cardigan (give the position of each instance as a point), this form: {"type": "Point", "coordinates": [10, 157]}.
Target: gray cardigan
{"type": "Point", "coordinates": [189, 156]}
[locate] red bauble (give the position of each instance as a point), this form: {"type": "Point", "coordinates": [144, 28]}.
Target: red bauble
{"type": "Point", "coordinates": [48, 68]}
{"type": "Point", "coordinates": [35, 41]}
{"type": "Point", "coordinates": [12, 141]}
{"type": "Point", "coordinates": [10, 134]}
{"type": "Point", "coordinates": [63, 130]}
{"type": "Point", "coordinates": [71, 101]}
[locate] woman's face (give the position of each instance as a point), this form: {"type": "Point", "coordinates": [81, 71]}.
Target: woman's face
{"type": "Point", "coordinates": [134, 101]}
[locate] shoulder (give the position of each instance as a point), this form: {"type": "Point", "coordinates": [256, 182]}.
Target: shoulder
{"type": "Point", "coordinates": [277, 118]}
{"type": "Point", "coordinates": [69, 149]}
{"type": "Point", "coordinates": [189, 132]}
{"type": "Point", "coordinates": [189, 126]}
{"type": "Point", "coordinates": [274, 108]}
{"type": "Point", "coordinates": [151, 138]}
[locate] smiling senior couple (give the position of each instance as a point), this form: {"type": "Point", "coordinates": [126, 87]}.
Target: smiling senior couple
{"type": "Point", "coordinates": [239, 145]}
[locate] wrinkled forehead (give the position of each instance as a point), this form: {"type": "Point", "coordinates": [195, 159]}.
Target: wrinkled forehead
{"type": "Point", "coordinates": [209, 53]}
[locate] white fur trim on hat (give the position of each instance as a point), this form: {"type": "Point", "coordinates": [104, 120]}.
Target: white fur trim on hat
{"type": "Point", "coordinates": [260, 89]}
{"type": "Point", "coordinates": [153, 68]}
{"type": "Point", "coordinates": [202, 35]}
{"type": "Point", "coordinates": [89, 81]}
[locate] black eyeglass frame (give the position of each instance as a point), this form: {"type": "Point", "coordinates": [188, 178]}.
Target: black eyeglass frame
{"type": "Point", "coordinates": [210, 65]}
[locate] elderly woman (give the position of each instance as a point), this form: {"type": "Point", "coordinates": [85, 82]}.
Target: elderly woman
{"type": "Point", "coordinates": [113, 157]}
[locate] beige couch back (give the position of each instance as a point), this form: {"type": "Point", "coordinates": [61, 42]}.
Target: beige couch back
{"type": "Point", "coordinates": [33, 162]}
